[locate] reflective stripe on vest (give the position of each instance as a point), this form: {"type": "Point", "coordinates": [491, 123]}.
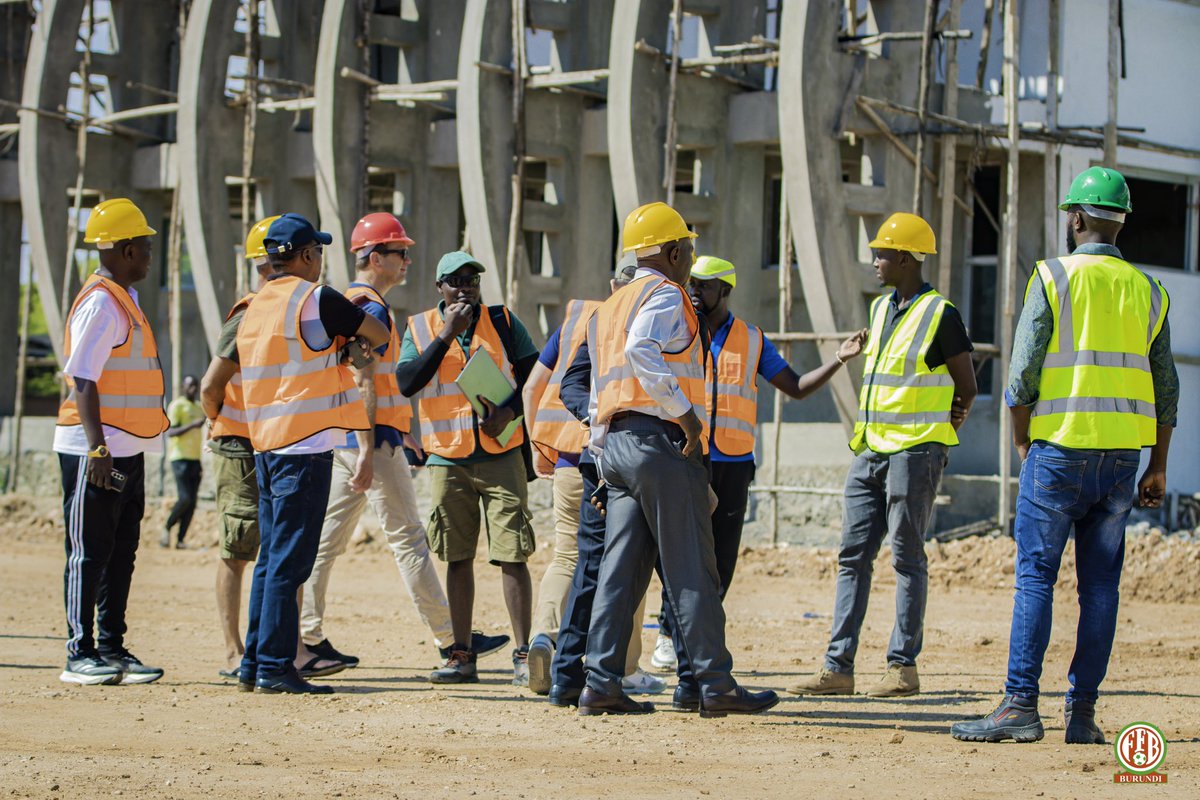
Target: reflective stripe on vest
{"type": "Point", "coordinates": [903, 403]}
{"type": "Point", "coordinates": [556, 430]}
{"type": "Point", "coordinates": [231, 421]}
{"type": "Point", "coordinates": [614, 383]}
{"type": "Point", "coordinates": [737, 389]}
{"type": "Point", "coordinates": [391, 407]}
{"type": "Point", "coordinates": [1096, 390]}
{"type": "Point", "coordinates": [448, 422]}
{"type": "Point", "coordinates": [291, 391]}
{"type": "Point", "coordinates": [130, 389]}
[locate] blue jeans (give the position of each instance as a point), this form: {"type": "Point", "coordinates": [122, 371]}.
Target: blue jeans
{"type": "Point", "coordinates": [292, 494]}
{"type": "Point", "coordinates": [1091, 491]}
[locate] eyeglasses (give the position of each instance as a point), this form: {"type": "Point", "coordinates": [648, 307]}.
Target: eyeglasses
{"type": "Point", "coordinates": [320, 251]}
{"type": "Point", "coordinates": [461, 281]}
{"type": "Point", "coordinates": [403, 252]}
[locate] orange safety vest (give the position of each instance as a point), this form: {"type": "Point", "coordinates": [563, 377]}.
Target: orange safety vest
{"type": "Point", "coordinates": [737, 389]}
{"type": "Point", "coordinates": [131, 386]}
{"type": "Point", "coordinates": [448, 421]}
{"type": "Point", "coordinates": [392, 408]}
{"type": "Point", "coordinates": [291, 391]}
{"type": "Point", "coordinates": [556, 430]}
{"type": "Point", "coordinates": [616, 386]}
{"type": "Point", "coordinates": [231, 420]}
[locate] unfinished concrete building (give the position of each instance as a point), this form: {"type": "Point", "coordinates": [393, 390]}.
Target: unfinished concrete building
{"type": "Point", "coordinates": [784, 131]}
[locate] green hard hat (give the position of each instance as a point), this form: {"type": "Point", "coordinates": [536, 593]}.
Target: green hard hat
{"type": "Point", "coordinates": [1100, 187]}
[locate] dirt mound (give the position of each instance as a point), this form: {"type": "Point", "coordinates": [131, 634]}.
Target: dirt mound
{"type": "Point", "coordinates": [1157, 568]}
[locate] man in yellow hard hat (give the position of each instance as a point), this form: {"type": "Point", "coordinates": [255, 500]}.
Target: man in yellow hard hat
{"type": "Point", "coordinates": [740, 355]}
{"type": "Point", "coordinates": [112, 415]}
{"type": "Point", "coordinates": [918, 386]}
{"type": "Point", "coordinates": [1092, 381]}
{"type": "Point", "coordinates": [650, 426]}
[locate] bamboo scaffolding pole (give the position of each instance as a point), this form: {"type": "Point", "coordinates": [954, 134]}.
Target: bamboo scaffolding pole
{"type": "Point", "coordinates": [14, 450]}
{"type": "Point", "coordinates": [1050, 159]}
{"type": "Point", "coordinates": [70, 268]}
{"type": "Point", "coordinates": [923, 100]}
{"type": "Point", "coordinates": [1114, 75]}
{"type": "Point", "coordinates": [145, 87]}
{"type": "Point", "coordinates": [985, 41]}
{"type": "Point", "coordinates": [785, 315]}
{"type": "Point", "coordinates": [249, 131]}
{"type": "Point", "coordinates": [175, 257]}
{"type": "Point", "coordinates": [520, 74]}
{"type": "Point", "coordinates": [670, 154]}
{"type": "Point", "coordinates": [857, 42]}
{"type": "Point", "coordinates": [1008, 280]}
{"type": "Point", "coordinates": [76, 119]}
{"type": "Point", "coordinates": [364, 152]}
{"type": "Point", "coordinates": [947, 173]}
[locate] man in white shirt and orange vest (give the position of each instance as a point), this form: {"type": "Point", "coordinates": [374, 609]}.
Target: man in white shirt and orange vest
{"type": "Point", "coordinates": [299, 399]}
{"type": "Point", "coordinates": [113, 414]}
{"type": "Point", "coordinates": [650, 431]}
{"type": "Point", "coordinates": [740, 354]}
{"type": "Point", "coordinates": [380, 246]}
{"type": "Point", "coordinates": [467, 464]}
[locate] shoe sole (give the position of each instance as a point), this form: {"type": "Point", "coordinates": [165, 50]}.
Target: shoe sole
{"type": "Point", "coordinates": [685, 709]}
{"type": "Point", "coordinates": [539, 661]}
{"type": "Point", "coordinates": [1022, 735]}
{"type": "Point", "coordinates": [323, 672]}
{"type": "Point", "coordinates": [705, 714]}
{"type": "Point", "coordinates": [453, 681]}
{"type": "Point", "coordinates": [89, 680]}
{"type": "Point", "coordinates": [671, 667]}
{"type": "Point", "coordinates": [644, 691]}
{"type": "Point", "coordinates": [131, 678]}
{"type": "Point", "coordinates": [821, 692]}
{"type": "Point", "coordinates": [265, 690]}
{"type": "Point", "coordinates": [483, 653]}
{"type": "Point", "coordinates": [894, 694]}
{"type": "Point", "coordinates": [587, 711]}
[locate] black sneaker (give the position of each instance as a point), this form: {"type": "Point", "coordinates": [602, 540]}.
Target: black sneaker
{"type": "Point", "coordinates": [327, 651]}
{"type": "Point", "coordinates": [1080, 717]}
{"type": "Point", "coordinates": [289, 683]}
{"type": "Point", "coordinates": [481, 645]}
{"type": "Point", "coordinates": [134, 670]}
{"type": "Point", "coordinates": [90, 671]}
{"type": "Point", "coordinates": [521, 666]}
{"type": "Point", "coordinates": [459, 668]}
{"type": "Point", "coordinates": [1015, 718]}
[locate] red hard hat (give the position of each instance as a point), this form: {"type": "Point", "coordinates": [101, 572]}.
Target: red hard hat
{"type": "Point", "coordinates": [378, 228]}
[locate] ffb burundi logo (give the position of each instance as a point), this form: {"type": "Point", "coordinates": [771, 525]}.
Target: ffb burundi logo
{"type": "Point", "coordinates": [1140, 750]}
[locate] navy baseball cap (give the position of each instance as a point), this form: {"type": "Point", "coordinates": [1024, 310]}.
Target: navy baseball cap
{"type": "Point", "coordinates": [291, 232]}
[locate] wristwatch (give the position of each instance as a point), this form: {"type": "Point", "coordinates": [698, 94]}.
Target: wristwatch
{"type": "Point", "coordinates": [101, 451]}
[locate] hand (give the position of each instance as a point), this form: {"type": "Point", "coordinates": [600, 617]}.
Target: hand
{"type": "Point", "coordinates": [692, 427]}
{"type": "Point", "coordinates": [543, 466]}
{"type": "Point", "coordinates": [1022, 449]}
{"type": "Point", "coordinates": [364, 471]}
{"type": "Point", "coordinates": [712, 501]}
{"type": "Point", "coordinates": [411, 443]}
{"type": "Point", "coordinates": [99, 471]}
{"type": "Point", "coordinates": [853, 346]}
{"type": "Point", "coordinates": [599, 498]}
{"type": "Point", "coordinates": [1152, 487]}
{"type": "Point", "coordinates": [357, 353]}
{"type": "Point", "coordinates": [496, 418]}
{"type": "Point", "coordinates": [959, 411]}
{"type": "Point", "coordinates": [459, 317]}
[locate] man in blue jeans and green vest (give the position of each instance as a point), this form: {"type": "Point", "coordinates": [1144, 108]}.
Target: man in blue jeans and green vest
{"type": "Point", "coordinates": [1092, 381]}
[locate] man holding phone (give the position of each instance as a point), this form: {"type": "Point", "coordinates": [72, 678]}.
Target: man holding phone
{"type": "Point", "coordinates": [113, 414]}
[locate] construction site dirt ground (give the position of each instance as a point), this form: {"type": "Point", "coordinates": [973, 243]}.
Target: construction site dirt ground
{"type": "Point", "coordinates": [389, 733]}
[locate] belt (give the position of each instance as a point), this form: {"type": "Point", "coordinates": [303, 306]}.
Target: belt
{"type": "Point", "coordinates": [625, 420]}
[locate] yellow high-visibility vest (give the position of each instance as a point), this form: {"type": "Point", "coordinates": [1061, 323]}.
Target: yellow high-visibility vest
{"type": "Point", "coordinates": [903, 403]}
{"type": "Point", "coordinates": [1096, 389]}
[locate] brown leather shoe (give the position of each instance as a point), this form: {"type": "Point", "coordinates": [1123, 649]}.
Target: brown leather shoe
{"type": "Point", "coordinates": [592, 703]}
{"type": "Point", "coordinates": [739, 701]}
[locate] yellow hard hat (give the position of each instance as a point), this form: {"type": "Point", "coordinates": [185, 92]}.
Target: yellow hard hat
{"type": "Point", "coordinates": [116, 220]}
{"type": "Point", "coordinates": [906, 232]}
{"type": "Point", "coordinates": [709, 268]}
{"type": "Point", "coordinates": [254, 239]}
{"type": "Point", "coordinates": [653, 224]}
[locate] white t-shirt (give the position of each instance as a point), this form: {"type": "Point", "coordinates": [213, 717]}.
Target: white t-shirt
{"type": "Point", "coordinates": [317, 338]}
{"type": "Point", "coordinates": [99, 325]}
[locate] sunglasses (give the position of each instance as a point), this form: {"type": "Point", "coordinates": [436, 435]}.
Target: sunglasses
{"type": "Point", "coordinates": [461, 281]}
{"type": "Point", "coordinates": [403, 253]}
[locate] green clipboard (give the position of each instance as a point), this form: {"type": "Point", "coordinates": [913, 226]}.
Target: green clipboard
{"type": "Point", "coordinates": [481, 376]}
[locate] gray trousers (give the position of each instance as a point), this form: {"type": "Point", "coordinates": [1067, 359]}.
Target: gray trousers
{"type": "Point", "coordinates": [657, 508]}
{"type": "Point", "coordinates": [885, 494]}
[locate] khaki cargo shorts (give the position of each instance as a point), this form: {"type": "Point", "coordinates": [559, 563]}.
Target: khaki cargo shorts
{"type": "Point", "coordinates": [499, 484]}
{"type": "Point", "coordinates": [237, 506]}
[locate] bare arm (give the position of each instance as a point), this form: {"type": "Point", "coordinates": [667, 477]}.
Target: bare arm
{"type": "Point", "coordinates": [373, 331]}
{"type": "Point", "coordinates": [1153, 485]}
{"type": "Point", "coordinates": [212, 386]}
{"type": "Point", "coordinates": [87, 400]}
{"type": "Point", "coordinates": [1020, 428]}
{"type": "Point", "coordinates": [799, 387]}
{"type": "Point", "coordinates": [962, 372]}
{"type": "Point", "coordinates": [364, 469]}
{"type": "Point", "coordinates": [535, 387]}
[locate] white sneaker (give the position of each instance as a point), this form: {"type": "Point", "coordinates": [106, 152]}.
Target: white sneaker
{"type": "Point", "coordinates": [642, 682]}
{"type": "Point", "coordinates": [664, 655]}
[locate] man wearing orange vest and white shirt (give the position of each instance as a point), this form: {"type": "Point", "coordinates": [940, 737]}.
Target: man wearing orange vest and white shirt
{"type": "Point", "coordinates": [380, 246]}
{"type": "Point", "coordinates": [467, 464]}
{"type": "Point", "coordinates": [299, 399]}
{"type": "Point", "coordinates": [650, 430]}
{"type": "Point", "coordinates": [113, 414]}
{"type": "Point", "coordinates": [233, 459]}
{"type": "Point", "coordinates": [740, 353]}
